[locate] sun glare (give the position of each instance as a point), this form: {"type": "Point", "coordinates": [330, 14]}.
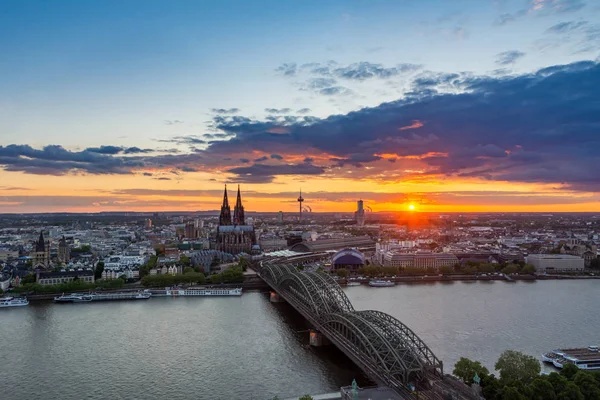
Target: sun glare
{"type": "Point", "coordinates": [411, 207]}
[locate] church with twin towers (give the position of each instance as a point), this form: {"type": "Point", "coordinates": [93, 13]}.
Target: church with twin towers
{"type": "Point", "coordinates": [233, 235]}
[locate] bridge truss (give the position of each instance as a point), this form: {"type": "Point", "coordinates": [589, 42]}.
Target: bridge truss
{"type": "Point", "coordinates": [387, 351]}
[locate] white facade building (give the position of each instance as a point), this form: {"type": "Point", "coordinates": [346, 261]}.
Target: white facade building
{"type": "Point", "coordinates": [555, 262]}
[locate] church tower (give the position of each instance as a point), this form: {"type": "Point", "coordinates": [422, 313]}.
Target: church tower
{"type": "Point", "coordinates": [238, 211]}
{"type": "Point", "coordinates": [225, 217]}
{"type": "Point", "coordinates": [41, 256]}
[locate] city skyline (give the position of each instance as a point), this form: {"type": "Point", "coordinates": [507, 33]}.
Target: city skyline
{"type": "Point", "coordinates": [443, 106]}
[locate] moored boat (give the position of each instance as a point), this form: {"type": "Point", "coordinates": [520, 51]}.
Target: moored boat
{"type": "Point", "coordinates": [6, 302]}
{"type": "Point", "coordinates": [203, 292]}
{"type": "Point", "coordinates": [380, 283]}
{"type": "Point", "coordinates": [587, 358]}
{"type": "Point", "coordinates": [353, 284]}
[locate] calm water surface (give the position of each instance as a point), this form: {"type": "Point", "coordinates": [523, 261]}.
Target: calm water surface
{"type": "Point", "coordinates": [244, 348]}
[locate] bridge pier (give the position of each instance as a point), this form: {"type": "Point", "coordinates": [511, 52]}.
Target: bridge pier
{"type": "Point", "coordinates": [317, 339]}
{"type": "Point", "coordinates": [275, 298]}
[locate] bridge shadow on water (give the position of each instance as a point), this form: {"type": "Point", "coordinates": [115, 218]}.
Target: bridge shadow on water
{"type": "Point", "coordinates": [342, 369]}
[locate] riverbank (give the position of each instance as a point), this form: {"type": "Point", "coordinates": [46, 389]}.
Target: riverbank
{"type": "Point", "coordinates": [463, 278]}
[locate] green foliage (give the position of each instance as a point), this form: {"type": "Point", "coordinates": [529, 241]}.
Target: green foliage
{"type": "Point", "coordinates": [558, 382]}
{"type": "Point", "coordinates": [28, 279]}
{"type": "Point", "coordinates": [466, 369]}
{"type": "Point", "coordinates": [595, 263]}
{"type": "Point", "coordinates": [81, 249]}
{"type": "Point", "coordinates": [75, 285]}
{"type": "Point", "coordinates": [230, 275]}
{"type": "Point", "coordinates": [342, 273]}
{"type": "Point", "coordinates": [160, 251]}
{"type": "Point", "coordinates": [528, 269]}
{"type": "Point", "coordinates": [123, 278]}
{"type": "Point", "coordinates": [145, 269]}
{"type": "Point", "coordinates": [569, 371]}
{"type": "Point", "coordinates": [589, 387]}
{"type": "Point", "coordinates": [510, 393]}
{"type": "Point", "coordinates": [306, 397]}
{"type": "Point", "coordinates": [510, 269]}
{"type": "Point", "coordinates": [515, 367]}
{"type": "Point", "coordinates": [98, 270]}
{"type": "Point", "coordinates": [172, 280]}
{"type": "Point", "coordinates": [188, 270]}
{"type": "Point", "coordinates": [185, 261]}
{"type": "Point", "coordinates": [486, 268]}
{"type": "Point", "coordinates": [244, 263]}
{"type": "Point", "coordinates": [541, 389]}
{"type": "Point", "coordinates": [446, 270]}
{"type": "Point", "coordinates": [571, 392]}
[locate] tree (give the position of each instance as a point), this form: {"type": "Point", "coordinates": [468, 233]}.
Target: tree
{"type": "Point", "coordinates": [123, 277]}
{"type": "Point", "coordinates": [306, 397]}
{"type": "Point", "coordinates": [558, 382]}
{"type": "Point", "coordinates": [98, 270]}
{"type": "Point", "coordinates": [541, 389]}
{"type": "Point", "coordinates": [589, 387]}
{"type": "Point", "coordinates": [569, 371]}
{"type": "Point", "coordinates": [342, 273]}
{"type": "Point", "coordinates": [528, 269]}
{"type": "Point", "coordinates": [595, 263]}
{"type": "Point", "coordinates": [188, 270]}
{"type": "Point", "coordinates": [185, 261]}
{"type": "Point", "coordinates": [466, 369]}
{"type": "Point", "coordinates": [486, 268]}
{"type": "Point", "coordinates": [510, 269]}
{"type": "Point", "coordinates": [446, 270]}
{"type": "Point", "coordinates": [30, 278]}
{"type": "Point", "coordinates": [515, 366]}
{"type": "Point", "coordinates": [571, 392]}
{"type": "Point", "coordinates": [490, 386]}
{"type": "Point", "coordinates": [244, 263]}
{"type": "Point", "coordinates": [510, 393]}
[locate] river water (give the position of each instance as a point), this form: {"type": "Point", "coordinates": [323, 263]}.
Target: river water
{"type": "Point", "coordinates": [248, 348]}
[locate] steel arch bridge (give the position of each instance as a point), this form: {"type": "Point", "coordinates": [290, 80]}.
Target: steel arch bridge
{"type": "Point", "coordinates": [387, 351]}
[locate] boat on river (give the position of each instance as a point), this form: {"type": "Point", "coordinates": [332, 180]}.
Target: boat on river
{"type": "Point", "coordinates": [353, 283]}
{"type": "Point", "coordinates": [6, 302]}
{"type": "Point", "coordinates": [175, 292]}
{"type": "Point", "coordinates": [587, 358]}
{"type": "Point", "coordinates": [86, 298]}
{"type": "Point", "coordinates": [380, 283]}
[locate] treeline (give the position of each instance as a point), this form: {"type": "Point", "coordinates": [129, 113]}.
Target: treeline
{"type": "Point", "coordinates": [520, 379]}
{"type": "Point", "coordinates": [73, 286]}
{"type": "Point", "coordinates": [233, 274]}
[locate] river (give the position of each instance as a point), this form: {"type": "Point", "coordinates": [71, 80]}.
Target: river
{"type": "Point", "coordinates": [248, 348]}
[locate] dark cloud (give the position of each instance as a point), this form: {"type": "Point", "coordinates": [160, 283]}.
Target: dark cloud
{"type": "Point", "coordinates": [162, 178]}
{"type": "Point", "coordinates": [320, 83]}
{"type": "Point", "coordinates": [105, 149]}
{"type": "Point", "coordinates": [539, 127]}
{"type": "Point", "coordinates": [186, 140]}
{"type": "Point", "coordinates": [276, 157]}
{"type": "Point", "coordinates": [303, 111]}
{"type": "Point", "coordinates": [335, 91]}
{"type": "Point", "coordinates": [225, 110]}
{"type": "Point", "coordinates": [565, 27]}
{"type": "Point", "coordinates": [261, 159]}
{"type": "Point", "coordinates": [244, 160]}
{"type": "Point", "coordinates": [136, 150]}
{"type": "Point", "coordinates": [147, 174]}
{"type": "Point", "coordinates": [262, 173]}
{"type": "Point", "coordinates": [509, 57]}
{"type": "Point", "coordinates": [360, 71]}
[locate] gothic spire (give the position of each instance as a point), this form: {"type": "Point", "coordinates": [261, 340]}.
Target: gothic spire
{"type": "Point", "coordinates": [41, 243]}
{"type": "Point", "coordinates": [238, 211]}
{"type": "Point", "coordinates": [225, 217]}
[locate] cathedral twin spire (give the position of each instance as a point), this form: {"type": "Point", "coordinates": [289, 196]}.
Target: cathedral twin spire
{"type": "Point", "coordinates": [238, 211]}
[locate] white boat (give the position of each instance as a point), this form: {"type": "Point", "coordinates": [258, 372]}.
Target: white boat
{"type": "Point", "coordinates": [353, 284]}
{"type": "Point", "coordinates": [379, 283]}
{"type": "Point", "coordinates": [583, 358]}
{"type": "Point", "coordinates": [203, 292]}
{"type": "Point", "coordinates": [13, 302]}
{"type": "Point", "coordinates": [73, 298]}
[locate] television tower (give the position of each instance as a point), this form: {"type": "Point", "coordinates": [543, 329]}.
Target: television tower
{"type": "Point", "coordinates": [300, 200]}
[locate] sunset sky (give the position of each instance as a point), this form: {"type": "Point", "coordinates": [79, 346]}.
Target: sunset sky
{"type": "Point", "coordinates": [480, 105]}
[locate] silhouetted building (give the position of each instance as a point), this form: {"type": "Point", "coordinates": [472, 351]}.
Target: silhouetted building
{"type": "Point", "coordinates": [191, 232]}
{"type": "Point", "coordinates": [359, 215]}
{"type": "Point", "coordinates": [350, 259]}
{"type": "Point", "coordinates": [234, 236]}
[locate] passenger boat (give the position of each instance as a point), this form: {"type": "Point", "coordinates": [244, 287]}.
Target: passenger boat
{"type": "Point", "coordinates": [587, 358]}
{"type": "Point", "coordinates": [73, 298]}
{"type": "Point", "coordinates": [6, 302]}
{"type": "Point", "coordinates": [353, 284]}
{"type": "Point", "coordinates": [379, 283]}
{"type": "Point", "coordinates": [203, 292]}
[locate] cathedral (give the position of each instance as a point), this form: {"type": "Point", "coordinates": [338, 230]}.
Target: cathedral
{"type": "Point", "coordinates": [233, 235]}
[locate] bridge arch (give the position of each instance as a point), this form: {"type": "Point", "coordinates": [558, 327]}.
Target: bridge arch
{"type": "Point", "coordinates": [383, 343]}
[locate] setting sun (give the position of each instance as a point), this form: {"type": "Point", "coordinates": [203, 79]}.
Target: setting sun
{"type": "Point", "coordinates": [411, 207]}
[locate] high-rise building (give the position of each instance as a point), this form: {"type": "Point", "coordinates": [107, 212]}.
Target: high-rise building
{"type": "Point", "coordinates": [41, 255]}
{"type": "Point", "coordinates": [359, 215]}
{"type": "Point", "coordinates": [280, 217]}
{"type": "Point", "coordinates": [148, 223]}
{"type": "Point", "coordinates": [190, 231]}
